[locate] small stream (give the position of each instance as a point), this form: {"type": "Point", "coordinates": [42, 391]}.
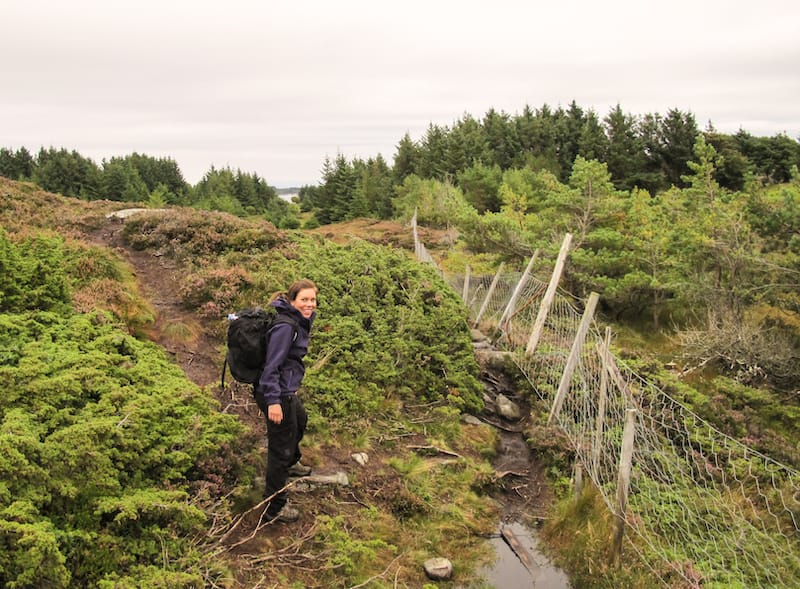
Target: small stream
{"type": "Point", "coordinates": [509, 571]}
{"type": "Point", "coordinates": [518, 563]}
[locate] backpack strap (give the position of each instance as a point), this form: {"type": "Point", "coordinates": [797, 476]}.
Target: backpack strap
{"type": "Point", "coordinates": [224, 366]}
{"type": "Point", "coordinates": [285, 319]}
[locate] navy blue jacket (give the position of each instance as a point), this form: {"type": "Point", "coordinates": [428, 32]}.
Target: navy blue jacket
{"type": "Point", "coordinates": [284, 368]}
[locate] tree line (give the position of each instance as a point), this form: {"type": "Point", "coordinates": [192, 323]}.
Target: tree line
{"type": "Point", "coordinates": [142, 178]}
{"type": "Point", "coordinates": [650, 152]}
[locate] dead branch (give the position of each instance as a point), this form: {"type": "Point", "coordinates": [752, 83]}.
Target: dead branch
{"type": "Point", "coordinates": [436, 450]}
{"type": "Point", "coordinates": [260, 519]}
{"type": "Point", "coordinates": [382, 575]}
{"type": "Point", "coordinates": [509, 473]}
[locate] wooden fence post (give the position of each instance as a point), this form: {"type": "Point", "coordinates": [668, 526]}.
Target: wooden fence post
{"type": "Point", "coordinates": [512, 302]}
{"type": "Point", "coordinates": [416, 235]}
{"type": "Point", "coordinates": [488, 295]}
{"type": "Point", "coordinates": [597, 443]}
{"type": "Point", "coordinates": [623, 482]}
{"type": "Point", "coordinates": [549, 295]}
{"type": "Point", "coordinates": [578, 487]}
{"type": "Point", "coordinates": [465, 291]}
{"type": "Point", "coordinates": [574, 355]}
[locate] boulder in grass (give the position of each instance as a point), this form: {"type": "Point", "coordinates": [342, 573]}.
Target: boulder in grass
{"type": "Point", "coordinates": [438, 569]}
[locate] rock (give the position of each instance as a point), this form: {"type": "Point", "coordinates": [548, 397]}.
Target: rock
{"type": "Point", "coordinates": [438, 569]}
{"type": "Point", "coordinates": [361, 458]}
{"type": "Point", "coordinates": [493, 358]}
{"type": "Point", "coordinates": [470, 419]}
{"type": "Point", "coordinates": [482, 345]}
{"type": "Point", "coordinates": [507, 408]}
{"type": "Point", "coordinates": [338, 479]}
{"type": "Point", "coordinates": [477, 336]}
{"type": "Point", "coordinates": [125, 213]}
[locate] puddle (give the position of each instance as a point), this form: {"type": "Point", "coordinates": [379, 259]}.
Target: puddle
{"type": "Point", "coordinates": [510, 572]}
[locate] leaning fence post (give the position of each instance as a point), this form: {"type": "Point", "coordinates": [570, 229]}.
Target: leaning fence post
{"type": "Point", "coordinates": [624, 481]}
{"type": "Point", "coordinates": [597, 444]}
{"type": "Point", "coordinates": [549, 295]}
{"type": "Point", "coordinates": [578, 477]}
{"type": "Point", "coordinates": [488, 295]}
{"type": "Point", "coordinates": [416, 235]}
{"type": "Point", "coordinates": [574, 355]}
{"type": "Point", "coordinates": [465, 291]}
{"type": "Point", "coordinates": [512, 302]}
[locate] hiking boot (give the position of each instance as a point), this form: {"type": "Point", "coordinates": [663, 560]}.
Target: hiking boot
{"type": "Point", "coordinates": [299, 469]}
{"type": "Point", "coordinates": [286, 515]}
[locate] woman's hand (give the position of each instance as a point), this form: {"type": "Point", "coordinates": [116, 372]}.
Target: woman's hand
{"type": "Point", "coordinates": [275, 413]}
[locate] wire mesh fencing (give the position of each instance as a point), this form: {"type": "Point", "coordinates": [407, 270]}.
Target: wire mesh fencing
{"type": "Point", "coordinates": [700, 508]}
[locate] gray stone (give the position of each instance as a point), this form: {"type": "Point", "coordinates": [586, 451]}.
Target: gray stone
{"type": "Point", "coordinates": [477, 336]}
{"type": "Point", "coordinates": [361, 458]}
{"type": "Point", "coordinates": [493, 358]}
{"type": "Point", "coordinates": [125, 213]}
{"type": "Point", "coordinates": [438, 569]}
{"type": "Point", "coordinates": [507, 408]}
{"type": "Point", "coordinates": [339, 479]}
{"type": "Point", "coordinates": [471, 419]}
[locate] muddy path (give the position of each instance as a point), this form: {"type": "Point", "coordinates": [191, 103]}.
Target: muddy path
{"type": "Point", "coordinates": [175, 328]}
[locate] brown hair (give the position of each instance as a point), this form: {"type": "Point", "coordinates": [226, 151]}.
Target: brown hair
{"type": "Point", "coordinates": [294, 290]}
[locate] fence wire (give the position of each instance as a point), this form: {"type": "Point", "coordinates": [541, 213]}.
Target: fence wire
{"type": "Point", "coordinates": [703, 509]}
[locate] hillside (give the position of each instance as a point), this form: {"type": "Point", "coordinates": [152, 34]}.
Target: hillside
{"type": "Point", "coordinates": [386, 520]}
{"type": "Point", "coordinates": [99, 311]}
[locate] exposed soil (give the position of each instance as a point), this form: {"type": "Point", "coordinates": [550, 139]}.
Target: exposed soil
{"type": "Point", "coordinates": [521, 487]}
{"type": "Point", "coordinates": [158, 278]}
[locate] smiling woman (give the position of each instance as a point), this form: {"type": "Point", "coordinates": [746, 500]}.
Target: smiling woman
{"type": "Point", "coordinates": [276, 393]}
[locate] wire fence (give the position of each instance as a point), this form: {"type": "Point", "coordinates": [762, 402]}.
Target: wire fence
{"type": "Point", "coordinates": [700, 508]}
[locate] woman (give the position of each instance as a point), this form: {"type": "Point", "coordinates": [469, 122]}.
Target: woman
{"type": "Point", "coordinates": [276, 393]}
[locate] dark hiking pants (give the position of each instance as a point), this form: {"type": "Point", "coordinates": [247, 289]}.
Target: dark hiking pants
{"type": "Point", "coordinates": [283, 449]}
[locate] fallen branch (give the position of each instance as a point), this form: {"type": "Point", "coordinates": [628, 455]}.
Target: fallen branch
{"type": "Point", "coordinates": [260, 519]}
{"type": "Point", "coordinates": [509, 473]}
{"type": "Point", "coordinates": [368, 581]}
{"type": "Point", "coordinates": [435, 450]}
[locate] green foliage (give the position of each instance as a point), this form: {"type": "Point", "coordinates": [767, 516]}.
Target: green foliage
{"type": "Point", "coordinates": [347, 553]}
{"type": "Point", "coordinates": [186, 233]}
{"type": "Point", "coordinates": [581, 529]}
{"type": "Point", "coordinates": [67, 173]}
{"type": "Point", "coordinates": [437, 204]}
{"type": "Point", "coordinates": [121, 181]}
{"type": "Point", "coordinates": [392, 321]}
{"type": "Point", "coordinates": [32, 274]}
{"type": "Point", "coordinates": [103, 439]}
{"type": "Point", "coordinates": [481, 184]}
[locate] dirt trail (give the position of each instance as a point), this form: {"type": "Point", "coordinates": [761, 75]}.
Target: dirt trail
{"type": "Point", "coordinates": [175, 328]}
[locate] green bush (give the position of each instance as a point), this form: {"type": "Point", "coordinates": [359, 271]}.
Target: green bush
{"type": "Point", "coordinates": [103, 439]}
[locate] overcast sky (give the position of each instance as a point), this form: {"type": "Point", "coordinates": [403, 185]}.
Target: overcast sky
{"type": "Point", "coordinates": [273, 87]}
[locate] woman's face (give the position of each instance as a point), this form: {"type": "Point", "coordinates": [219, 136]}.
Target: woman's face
{"type": "Point", "coordinates": [305, 302]}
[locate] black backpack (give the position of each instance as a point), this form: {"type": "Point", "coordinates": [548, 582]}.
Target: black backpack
{"type": "Point", "coordinates": [248, 335]}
